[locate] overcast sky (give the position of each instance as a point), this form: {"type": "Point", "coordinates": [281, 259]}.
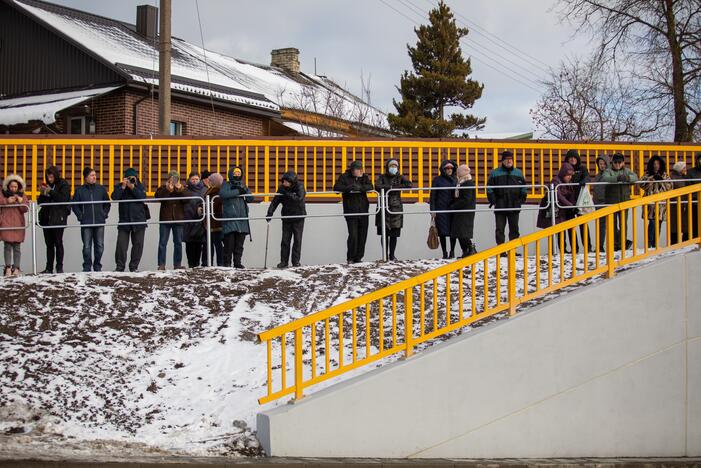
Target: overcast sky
{"type": "Point", "coordinates": [348, 37]}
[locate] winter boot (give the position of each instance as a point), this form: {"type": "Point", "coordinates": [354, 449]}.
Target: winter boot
{"type": "Point", "coordinates": [282, 265]}
{"type": "Point", "coordinates": [161, 267]}
{"type": "Point", "coordinates": [16, 272]}
{"type": "Point", "coordinates": [7, 272]}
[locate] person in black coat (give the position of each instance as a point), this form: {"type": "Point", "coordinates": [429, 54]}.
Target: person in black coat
{"type": "Point", "coordinates": [464, 198]}
{"type": "Point", "coordinates": [132, 211]}
{"type": "Point", "coordinates": [194, 234]}
{"type": "Point", "coordinates": [504, 193]}
{"type": "Point", "coordinates": [54, 190]}
{"type": "Point", "coordinates": [440, 200]}
{"type": "Point", "coordinates": [581, 177]}
{"type": "Point", "coordinates": [291, 195]}
{"type": "Point", "coordinates": [354, 185]}
{"type": "Point", "coordinates": [393, 222]}
{"type": "Point", "coordinates": [93, 237]}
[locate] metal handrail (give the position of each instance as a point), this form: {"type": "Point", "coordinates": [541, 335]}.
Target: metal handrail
{"type": "Point", "coordinates": [28, 213]}
{"type": "Point", "coordinates": [311, 330]}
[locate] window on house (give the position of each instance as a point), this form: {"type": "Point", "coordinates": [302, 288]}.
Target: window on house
{"type": "Point", "coordinates": [177, 128]}
{"type": "Point", "coordinates": [76, 126]}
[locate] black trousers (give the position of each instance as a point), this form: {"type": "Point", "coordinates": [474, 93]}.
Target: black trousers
{"type": "Point", "coordinates": [501, 219]}
{"type": "Point", "coordinates": [357, 236]}
{"type": "Point", "coordinates": [233, 247]}
{"type": "Point", "coordinates": [137, 247]}
{"type": "Point", "coordinates": [290, 230]}
{"type": "Point", "coordinates": [193, 251]}
{"type": "Point", "coordinates": [53, 238]}
{"type": "Point", "coordinates": [619, 221]}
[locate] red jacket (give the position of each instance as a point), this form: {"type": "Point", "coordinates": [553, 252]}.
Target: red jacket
{"type": "Point", "coordinates": [12, 216]}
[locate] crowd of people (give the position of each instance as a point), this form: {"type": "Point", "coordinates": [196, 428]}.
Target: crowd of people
{"type": "Point", "coordinates": [452, 207]}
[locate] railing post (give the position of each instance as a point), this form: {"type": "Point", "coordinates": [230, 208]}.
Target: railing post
{"type": "Point", "coordinates": [266, 171]}
{"type": "Point", "coordinates": [420, 174]}
{"type": "Point", "coordinates": [513, 301]}
{"type": "Point", "coordinates": [553, 202]}
{"type": "Point", "coordinates": [409, 322]}
{"type": "Point", "coordinates": [208, 224]}
{"type": "Point", "coordinates": [33, 220]}
{"type": "Point", "coordinates": [610, 261]}
{"type": "Point", "coordinates": [383, 204]}
{"type": "Point", "coordinates": [298, 365]}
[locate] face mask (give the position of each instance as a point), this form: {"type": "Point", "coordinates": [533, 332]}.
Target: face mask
{"type": "Point", "coordinates": [393, 170]}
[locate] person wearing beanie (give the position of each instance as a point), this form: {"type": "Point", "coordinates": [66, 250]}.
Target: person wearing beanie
{"type": "Point", "coordinates": [291, 195]}
{"type": "Point", "coordinates": [655, 180]}
{"type": "Point", "coordinates": [694, 174]}
{"type": "Point", "coordinates": [235, 196]}
{"type": "Point", "coordinates": [678, 175]}
{"type": "Point", "coordinates": [55, 189]}
{"type": "Point", "coordinates": [133, 214]}
{"type": "Point", "coordinates": [194, 234]}
{"type": "Point", "coordinates": [439, 204]}
{"type": "Point", "coordinates": [92, 217]}
{"type": "Point", "coordinates": [354, 185]}
{"type": "Point", "coordinates": [216, 237]}
{"type": "Point", "coordinates": [205, 177]}
{"type": "Point", "coordinates": [171, 214]}
{"type": "Point", "coordinates": [394, 221]}
{"type": "Point", "coordinates": [566, 200]}
{"type": "Point", "coordinates": [580, 177]}
{"type": "Point", "coordinates": [619, 180]}
{"type": "Point", "coordinates": [463, 222]}
{"type": "Point", "coordinates": [508, 200]}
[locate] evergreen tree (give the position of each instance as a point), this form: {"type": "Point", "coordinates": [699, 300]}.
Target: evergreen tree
{"type": "Point", "coordinates": [440, 80]}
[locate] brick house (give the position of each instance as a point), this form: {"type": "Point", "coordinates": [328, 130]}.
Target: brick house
{"type": "Point", "coordinates": [69, 71]}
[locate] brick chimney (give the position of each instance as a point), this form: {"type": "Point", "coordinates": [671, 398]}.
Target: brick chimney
{"type": "Point", "coordinates": [147, 21]}
{"type": "Point", "coordinates": [287, 59]}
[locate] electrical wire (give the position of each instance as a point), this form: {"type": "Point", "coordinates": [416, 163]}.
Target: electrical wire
{"type": "Point", "coordinates": [204, 53]}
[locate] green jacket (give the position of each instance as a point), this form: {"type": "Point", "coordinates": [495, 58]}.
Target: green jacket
{"type": "Point", "coordinates": [619, 190]}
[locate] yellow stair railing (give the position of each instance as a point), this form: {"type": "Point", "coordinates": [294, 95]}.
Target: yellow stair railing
{"type": "Point", "coordinates": [397, 318]}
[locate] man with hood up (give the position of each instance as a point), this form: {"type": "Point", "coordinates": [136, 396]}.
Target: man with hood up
{"type": "Point", "coordinates": [291, 195]}
{"type": "Point", "coordinates": [581, 177]}
{"type": "Point", "coordinates": [133, 215]}
{"type": "Point", "coordinates": [354, 185]}
{"type": "Point", "coordinates": [235, 196]}
{"type": "Point", "coordinates": [695, 173]}
{"type": "Point", "coordinates": [55, 189]}
{"type": "Point", "coordinates": [393, 200]}
{"type": "Point", "coordinates": [506, 200]}
{"type": "Point", "coordinates": [441, 200]}
{"type": "Point", "coordinates": [598, 194]}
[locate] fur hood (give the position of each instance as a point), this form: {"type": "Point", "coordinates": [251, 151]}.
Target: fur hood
{"type": "Point", "coordinates": [16, 178]}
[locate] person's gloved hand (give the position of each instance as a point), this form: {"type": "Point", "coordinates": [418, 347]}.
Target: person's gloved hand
{"type": "Point", "coordinates": [268, 219]}
{"type": "Point", "coordinates": [491, 205]}
{"type": "Point", "coordinates": [657, 177]}
{"type": "Point", "coordinates": [622, 178]}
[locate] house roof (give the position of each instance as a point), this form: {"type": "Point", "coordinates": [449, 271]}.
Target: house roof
{"type": "Point", "coordinates": [199, 71]}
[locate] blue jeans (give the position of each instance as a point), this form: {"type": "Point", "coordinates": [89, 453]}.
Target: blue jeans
{"type": "Point", "coordinates": [163, 235]}
{"type": "Point", "coordinates": [93, 246]}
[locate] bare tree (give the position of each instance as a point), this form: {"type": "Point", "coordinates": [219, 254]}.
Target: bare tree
{"type": "Point", "coordinates": [661, 40]}
{"type": "Point", "coordinates": [588, 100]}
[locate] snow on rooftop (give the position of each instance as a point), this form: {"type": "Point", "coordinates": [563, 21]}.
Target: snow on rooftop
{"type": "Point", "coordinates": [44, 107]}
{"type": "Point", "coordinates": [117, 44]}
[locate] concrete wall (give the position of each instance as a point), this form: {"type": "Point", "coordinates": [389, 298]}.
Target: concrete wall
{"type": "Point", "coordinates": [610, 370]}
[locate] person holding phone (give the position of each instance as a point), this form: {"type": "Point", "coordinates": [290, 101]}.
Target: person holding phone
{"type": "Point", "coordinates": [133, 215]}
{"type": "Point", "coordinates": [170, 213]}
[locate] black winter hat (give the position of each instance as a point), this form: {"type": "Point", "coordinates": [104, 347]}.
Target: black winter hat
{"type": "Point", "coordinates": [206, 174]}
{"type": "Point", "coordinates": [572, 154]}
{"type": "Point", "coordinates": [87, 171]}
{"type": "Point", "coordinates": [507, 155]}
{"type": "Point", "coordinates": [356, 165]}
{"type": "Point", "coordinates": [617, 157]}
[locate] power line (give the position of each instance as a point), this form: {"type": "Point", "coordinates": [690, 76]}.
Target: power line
{"type": "Point", "coordinates": [204, 53]}
{"type": "Point", "coordinates": [482, 61]}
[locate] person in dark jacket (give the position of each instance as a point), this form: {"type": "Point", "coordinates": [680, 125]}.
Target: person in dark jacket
{"type": "Point", "coordinates": [54, 190]}
{"type": "Point", "coordinates": [464, 198]}
{"type": "Point", "coordinates": [598, 194]}
{"type": "Point", "coordinates": [93, 237]}
{"type": "Point", "coordinates": [170, 213]}
{"type": "Point", "coordinates": [354, 185]}
{"type": "Point", "coordinates": [581, 177]}
{"type": "Point", "coordinates": [215, 181]}
{"type": "Point", "coordinates": [619, 180]}
{"type": "Point", "coordinates": [291, 195]}
{"type": "Point", "coordinates": [655, 180]}
{"type": "Point", "coordinates": [678, 214]}
{"type": "Point", "coordinates": [508, 200]}
{"type": "Point", "coordinates": [695, 176]}
{"type": "Point", "coordinates": [440, 200]}
{"type": "Point", "coordinates": [566, 200]}
{"type": "Point", "coordinates": [393, 221]}
{"type": "Point", "coordinates": [132, 210]}
{"type": "Point", "coordinates": [235, 197]}
{"type": "Point", "coordinates": [194, 234]}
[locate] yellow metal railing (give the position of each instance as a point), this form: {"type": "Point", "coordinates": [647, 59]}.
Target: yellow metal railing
{"type": "Point", "coordinates": [397, 318]}
{"type": "Point", "coordinates": [318, 161]}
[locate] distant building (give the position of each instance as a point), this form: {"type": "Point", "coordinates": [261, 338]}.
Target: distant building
{"type": "Point", "coordinates": [67, 71]}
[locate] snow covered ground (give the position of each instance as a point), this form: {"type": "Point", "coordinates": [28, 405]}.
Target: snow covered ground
{"type": "Point", "coordinates": [156, 363]}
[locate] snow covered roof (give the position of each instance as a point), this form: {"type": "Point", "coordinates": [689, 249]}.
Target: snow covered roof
{"type": "Point", "coordinates": [44, 107]}
{"type": "Point", "coordinates": [502, 136]}
{"type": "Point", "coordinates": [309, 130]}
{"type": "Point", "coordinates": [118, 44]}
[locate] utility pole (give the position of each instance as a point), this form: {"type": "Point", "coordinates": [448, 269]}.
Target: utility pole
{"type": "Point", "coordinates": [164, 47]}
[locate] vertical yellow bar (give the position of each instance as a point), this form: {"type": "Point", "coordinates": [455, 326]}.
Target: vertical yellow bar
{"type": "Point", "coordinates": [460, 294]}
{"type": "Point", "coordinates": [188, 159]}
{"type": "Point", "coordinates": [635, 233]}
{"type": "Point", "coordinates": [283, 360]}
{"type": "Point", "coordinates": [394, 320]}
{"type": "Point", "coordinates": [35, 157]}
{"type": "Point", "coordinates": [550, 261]}
{"type": "Point", "coordinates": [313, 346]}
{"type": "Point", "coordinates": [372, 163]}
{"type": "Point", "coordinates": [299, 384]}
{"type": "Point", "coordinates": [326, 169]}
{"type": "Point", "coordinates": [485, 278]}
{"type": "Point", "coordinates": [327, 345]}
{"type": "Point", "coordinates": [610, 261]}
{"type": "Point", "coordinates": [420, 172]}
{"type": "Point", "coordinates": [435, 304]}
{"type": "Point", "coordinates": [270, 367]}
{"type": "Point", "coordinates": [340, 340]}
{"type": "Point", "coordinates": [646, 240]}
{"type": "Point", "coordinates": [367, 331]}
{"type": "Point", "coordinates": [497, 273]}
{"type": "Point", "coordinates": [316, 175]}
{"type": "Point", "coordinates": [354, 339]}
{"type": "Point", "coordinates": [537, 265]}
{"type": "Point", "coordinates": [585, 247]}
{"type": "Point", "coordinates": [150, 168]}
{"type": "Point", "coordinates": [679, 220]}
{"type": "Point", "coordinates": [473, 289]}
{"type": "Point", "coordinates": [344, 155]}
{"type": "Point", "coordinates": [381, 320]}
{"type": "Point", "coordinates": [561, 256]}
{"type": "Point", "coordinates": [111, 182]}
{"type": "Point", "coordinates": [532, 179]}
{"type": "Point", "coordinates": [525, 269]}
{"type": "Point", "coordinates": [573, 237]}
{"type": "Point", "coordinates": [409, 321]}
{"type": "Point", "coordinates": [512, 282]}
{"type": "Point", "coordinates": [266, 172]}
{"type": "Point", "coordinates": [447, 300]}
{"type": "Point", "coordinates": [422, 308]}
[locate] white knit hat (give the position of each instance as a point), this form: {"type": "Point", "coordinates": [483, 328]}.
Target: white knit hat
{"type": "Point", "coordinates": [679, 166]}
